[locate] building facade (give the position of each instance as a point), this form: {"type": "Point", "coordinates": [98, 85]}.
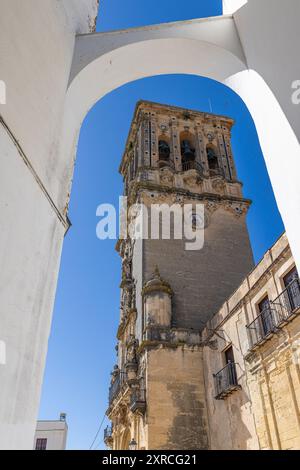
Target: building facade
{"type": "Point", "coordinates": [252, 374]}
{"type": "Point", "coordinates": [174, 158]}
{"type": "Point", "coordinates": [51, 434]}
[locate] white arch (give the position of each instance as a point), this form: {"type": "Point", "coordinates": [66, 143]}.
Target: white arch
{"type": "Point", "coordinates": [207, 47]}
{"type": "Point", "coordinates": [231, 6]}
{"type": "Point", "coordinates": [104, 61]}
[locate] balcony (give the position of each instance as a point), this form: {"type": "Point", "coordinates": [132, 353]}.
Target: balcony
{"type": "Point", "coordinates": [108, 439]}
{"type": "Point", "coordinates": [116, 386]}
{"type": "Point", "coordinates": [226, 381]}
{"type": "Point", "coordinates": [138, 400]}
{"type": "Point", "coordinates": [263, 327]}
{"type": "Point", "coordinates": [286, 305]}
{"type": "Point", "coordinates": [217, 172]}
{"type": "Point", "coordinates": [192, 165]}
{"type": "Point", "coordinates": [270, 320]}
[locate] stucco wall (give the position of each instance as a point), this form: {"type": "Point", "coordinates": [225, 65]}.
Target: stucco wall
{"type": "Point", "coordinates": [176, 409]}
{"type": "Point", "coordinates": [36, 49]}
{"type": "Point", "coordinates": [54, 431]}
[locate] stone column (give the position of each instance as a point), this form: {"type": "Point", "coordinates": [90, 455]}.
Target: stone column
{"type": "Point", "coordinates": [175, 144]}
{"type": "Point", "coordinates": [201, 156]}
{"type": "Point", "coordinates": [153, 140]}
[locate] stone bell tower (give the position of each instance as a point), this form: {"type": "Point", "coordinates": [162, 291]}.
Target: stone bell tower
{"type": "Point", "coordinates": [168, 293]}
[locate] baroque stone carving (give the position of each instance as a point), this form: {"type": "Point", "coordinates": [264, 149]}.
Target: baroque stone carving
{"type": "Point", "coordinates": [166, 176]}
{"type": "Point", "coordinates": [236, 208]}
{"type": "Point", "coordinates": [192, 179]}
{"type": "Point", "coordinates": [219, 185]}
{"type": "Point", "coordinates": [131, 353]}
{"type": "Point", "coordinates": [210, 136]}
{"type": "Point", "coordinates": [210, 207]}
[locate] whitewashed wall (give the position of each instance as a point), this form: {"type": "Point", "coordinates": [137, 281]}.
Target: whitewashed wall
{"type": "Point", "coordinates": [36, 49]}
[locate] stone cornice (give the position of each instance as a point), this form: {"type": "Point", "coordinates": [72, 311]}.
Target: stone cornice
{"type": "Point", "coordinates": [151, 186]}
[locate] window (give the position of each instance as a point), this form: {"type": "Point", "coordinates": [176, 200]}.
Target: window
{"type": "Point", "coordinates": [266, 315]}
{"type": "Point", "coordinates": [229, 359]}
{"type": "Point", "coordinates": [187, 150]}
{"type": "Point", "coordinates": [212, 158]}
{"type": "Point", "coordinates": [226, 379]}
{"type": "Point", "coordinates": [41, 443]}
{"type": "Point", "coordinates": [292, 291]}
{"type": "Point", "coordinates": [290, 277]}
{"type": "Point", "coordinates": [164, 150]}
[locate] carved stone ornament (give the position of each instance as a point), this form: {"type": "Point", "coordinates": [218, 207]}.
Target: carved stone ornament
{"type": "Point", "coordinates": [210, 207]}
{"type": "Point", "coordinates": [210, 136]}
{"type": "Point", "coordinates": [123, 416]}
{"type": "Point", "coordinates": [115, 373]}
{"type": "Point", "coordinates": [166, 176]}
{"type": "Point", "coordinates": [236, 208]}
{"type": "Point", "coordinates": [192, 179]}
{"type": "Point", "coordinates": [219, 185]}
{"type": "Point", "coordinates": [132, 346]}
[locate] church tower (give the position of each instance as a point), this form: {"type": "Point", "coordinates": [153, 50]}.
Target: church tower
{"type": "Point", "coordinates": [168, 292]}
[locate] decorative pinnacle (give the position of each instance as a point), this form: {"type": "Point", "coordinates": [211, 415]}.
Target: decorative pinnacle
{"type": "Point", "coordinates": [156, 273]}
{"type": "Point", "coordinates": [156, 284]}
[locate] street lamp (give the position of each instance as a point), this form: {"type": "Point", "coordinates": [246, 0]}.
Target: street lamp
{"type": "Point", "coordinates": [132, 444]}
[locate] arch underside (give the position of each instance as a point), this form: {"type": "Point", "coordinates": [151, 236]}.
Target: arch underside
{"type": "Point", "coordinates": [105, 61]}
{"type": "Point", "coordinates": [208, 48]}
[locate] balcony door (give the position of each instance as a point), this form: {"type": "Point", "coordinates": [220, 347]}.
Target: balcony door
{"type": "Point", "coordinates": [229, 359]}
{"type": "Point", "coordinates": [267, 323]}
{"type": "Point", "coordinates": [291, 282]}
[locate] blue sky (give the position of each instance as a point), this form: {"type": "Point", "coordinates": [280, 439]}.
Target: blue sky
{"type": "Point", "coordinates": [82, 341]}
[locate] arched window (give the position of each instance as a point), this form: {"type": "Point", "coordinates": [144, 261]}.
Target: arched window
{"type": "Point", "coordinates": [213, 163]}
{"type": "Point", "coordinates": [187, 150]}
{"type": "Point", "coordinates": [163, 150]}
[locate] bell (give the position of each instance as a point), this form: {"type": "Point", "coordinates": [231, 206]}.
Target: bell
{"type": "Point", "coordinates": [186, 150]}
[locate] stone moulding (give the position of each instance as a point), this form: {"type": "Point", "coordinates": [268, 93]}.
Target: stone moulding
{"type": "Point", "coordinates": [156, 344]}
{"type": "Point", "coordinates": [151, 186]}
{"type": "Point", "coordinates": [157, 288]}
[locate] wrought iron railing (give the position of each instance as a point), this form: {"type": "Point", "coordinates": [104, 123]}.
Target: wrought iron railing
{"type": "Point", "coordinates": [108, 433]}
{"type": "Point", "coordinates": [192, 165]}
{"type": "Point", "coordinates": [116, 386]}
{"type": "Point", "coordinates": [288, 301]}
{"type": "Point", "coordinates": [275, 315]}
{"type": "Point", "coordinates": [138, 400]}
{"type": "Point", "coordinates": [226, 381]}
{"type": "Point", "coordinates": [263, 326]}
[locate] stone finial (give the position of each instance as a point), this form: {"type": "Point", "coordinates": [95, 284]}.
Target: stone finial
{"type": "Point", "coordinates": [156, 284]}
{"type": "Point", "coordinates": [156, 273]}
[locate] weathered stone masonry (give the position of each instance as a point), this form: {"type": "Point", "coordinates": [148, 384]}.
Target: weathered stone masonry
{"type": "Point", "coordinates": [174, 156]}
